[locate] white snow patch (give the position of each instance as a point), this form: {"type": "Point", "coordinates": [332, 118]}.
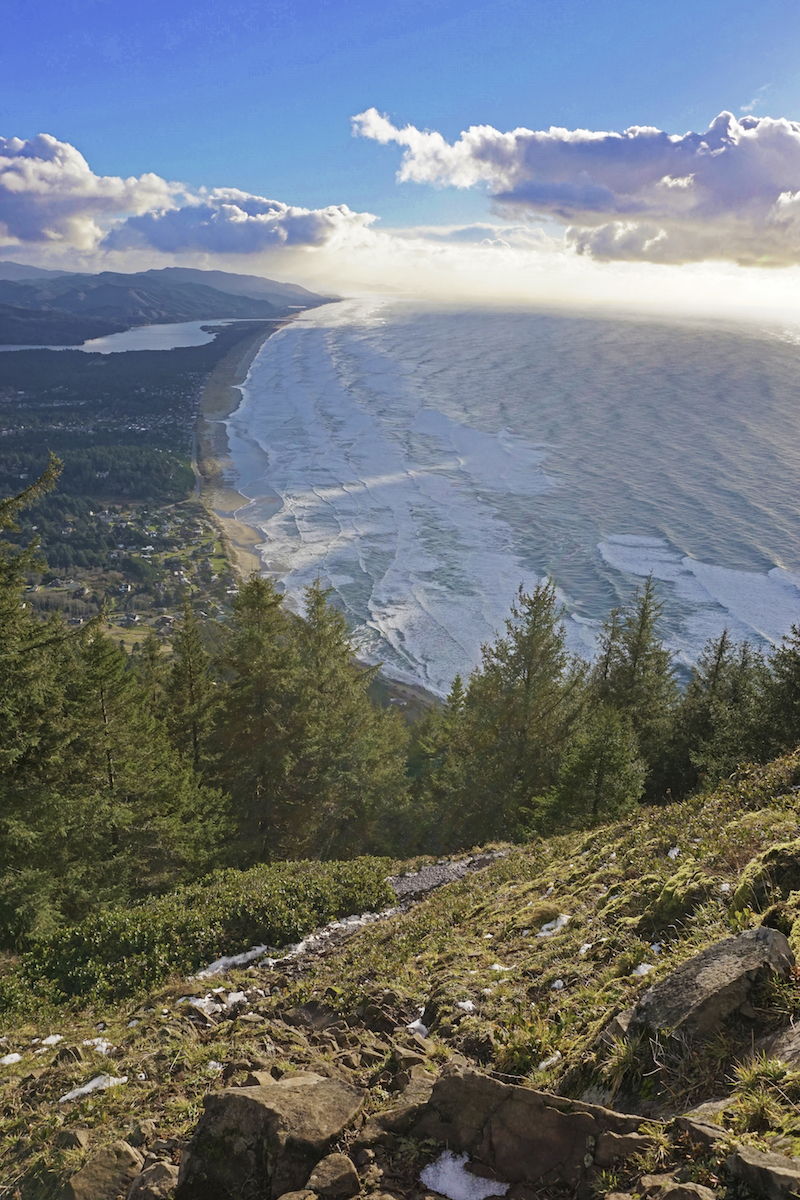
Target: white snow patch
{"type": "Point", "coordinates": [418, 1027]}
{"type": "Point", "coordinates": [656, 947]}
{"type": "Point", "coordinates": [642, 970]}
{"type": "Point", "coordinates": [546, 1063]}
{"type": "Point", "coordinates": [99, 1084]}
{"type": "Point", "coordinates": [553, 926]}
{"type": "Point", "coordinates": [448, 1177]}
{"type": "Point", "coordinates": [100, 1045]}
{"type": "Point", "coordinates": [53, 1039]}
{"type": "Point", "coordinates": [221, 965]}
{"type": "Point", "coordinates": [674, 852]}
{"type": "Point", "coordinates": [466, 1006]}
{"type": "Point", "coordinates": [585, 948]}
{"type": "Point", "coordinates": [725, 887]}
{"type": "Point", "coordinates": [499, 967]}
{"type": "Point", "coordinates": [236, 998]}
{"type": "Point", "coordinates": [214, 1067]}
{"type": "Point", "coordinates": [557, 985]}
{"type": "Point", "coordinates": [8, 1059]}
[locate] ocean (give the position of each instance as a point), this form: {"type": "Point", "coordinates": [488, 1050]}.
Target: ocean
{"type": "Point", "coordinates": [425, 461]}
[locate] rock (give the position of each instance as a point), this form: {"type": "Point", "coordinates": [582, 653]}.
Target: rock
{"type": "Point", "coordinates": [335, 1178]}
{"type": "Point", "coordinates": [522, 1135]}
{"type": "Point", "coordinates": [143, 1134]}
{"type": "Point", "coordinates": [615, 1147]}
{"type": "Point", "coordinates": [685, 1191]}
{"type": "Point", "coordinates": [156, 1182]}
{"type": "Point", "coordinates": [265, 1140]}
{"type": "Point", "coordinates": [617, 1028]}
{"type": "Point", "coordinates": [771, 876]}
{"type": "Point", "coordinates": [784, 1045]}
{"type": "Point", "coordinates": [772, 1175]}
{"type": "Point", "coordinates": [701, 1133]}
{"type": "Point", "coordinates": [700, 994]}
{"type": "Point", "coordinates": [107, 1175]}
{"type": "Point", "coordinates": [677, 899]}
{"type": "Point", "coordinates": [399, 1117]}
{"type": "Point", "coordinates": [302, 1195]}
{"type": "Point", "coordinates": [650, 1184]}
{"type": "Point", "coordinates": [73, 1139]}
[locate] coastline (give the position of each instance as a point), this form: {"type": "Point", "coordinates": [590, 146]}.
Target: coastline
{"type": "Point", "coordinates": [215, 468]}
{"type": "Point", "coordinates": [213, 463]}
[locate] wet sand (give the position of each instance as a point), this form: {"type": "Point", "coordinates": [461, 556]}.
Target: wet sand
{"type": "Point", "coordinates": [215, 468]}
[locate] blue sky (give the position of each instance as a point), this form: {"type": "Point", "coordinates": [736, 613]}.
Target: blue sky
{"type": "Point", "coordinates": [259, 97]}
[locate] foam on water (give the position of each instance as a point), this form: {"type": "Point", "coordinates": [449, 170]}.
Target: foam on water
{"type": "Point", "coordinates": [424, 463]}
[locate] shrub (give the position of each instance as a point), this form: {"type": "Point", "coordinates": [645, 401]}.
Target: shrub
{"type": "Point", "coordinates": [121, 951]}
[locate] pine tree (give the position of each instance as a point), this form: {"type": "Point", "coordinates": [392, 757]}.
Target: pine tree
{"type": "Point", "coordinates": [519, 709]}
{"type": "Point", "coordinates": [191, 691]}
{"type": "Point", "coordinates": [634, 674]}
{"type": "Point", "coordinates": [602, 774]}
{"type": "Point", "coordinates": [783, 695]}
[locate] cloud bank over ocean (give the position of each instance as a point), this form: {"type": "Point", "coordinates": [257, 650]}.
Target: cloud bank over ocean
{"type": "Point", "coordinates": [731, 193]}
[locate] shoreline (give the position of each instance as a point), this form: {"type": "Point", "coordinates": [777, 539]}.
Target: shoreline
{"type": "Point", "coordinates": [213, 463]}
{"type": "Point", "coordinates": [215, 468]}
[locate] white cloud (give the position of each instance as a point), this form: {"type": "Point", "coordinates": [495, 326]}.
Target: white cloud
{"type": "Point", "coordinates": [731, 193]}
{"type": "Point", "coordinates": [49, 194]}
{"type": "Point", "coordinates": [227, 221]}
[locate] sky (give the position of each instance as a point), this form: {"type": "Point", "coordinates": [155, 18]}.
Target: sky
{"type": "Point", "coordinates": [560, 151]}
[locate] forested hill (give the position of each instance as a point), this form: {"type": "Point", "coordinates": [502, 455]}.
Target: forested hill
{"type": "Point", "coordinates": [67, 309]}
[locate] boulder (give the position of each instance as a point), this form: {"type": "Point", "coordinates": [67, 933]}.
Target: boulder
{"type": "Point", "coordinates": [73, 1139]}
{"type": "Point", "coordinates": [107, 1175]}
{"type": "Point", "coordinates": [263, 1141]}
{"type": "Point", "coordinates": [772, 1175]}
{"type": "Point", "coordinates": [335, 1178]}
{"type": "Point", "coordinates": [156, 1182]}
{"type": "Point", "coordinates": [771, 876]}
{"type": "Point", "coordinates": [616, 1147]}
{"type": "Point", "coordinates": [785, 1045]}
{"type": "Point", "coordinates": [700, 994]}
{"type": "Point", "coordinates": [521, 1135]}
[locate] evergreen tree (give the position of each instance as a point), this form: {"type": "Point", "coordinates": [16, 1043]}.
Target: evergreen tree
{"type": "Point", "coordinates": [720, 717]}
{"type": "Point", "coordinates": [602, 774]}
{"type": "Point", "coordinates": [518, 712]}
{"type": "Point", "coordinates": [783, 696]}
{"type": "Point", "coordinates": [191, 691]}
{"type": "Point", "coordinates": [634, 674]}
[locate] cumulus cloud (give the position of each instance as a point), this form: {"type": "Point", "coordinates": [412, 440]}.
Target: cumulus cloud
{"type": "Point", "coordinates": [731, 193]}
{"type": "Point", "coordinates": [49, 194]}
{"type": "Point", "coordinates": [227, 221]}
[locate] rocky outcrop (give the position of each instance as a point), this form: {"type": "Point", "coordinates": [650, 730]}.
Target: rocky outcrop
{"type": "Point", "coordinates": [264, 1141]}
{"type": "Point", "coordinates": [107, 1175]}
{"type": "Point", "coordinates": [704, 991]}
{"type": "Point", "coordinates": [772, 1175]}
{"type": "Point", "coordinates": [156, 1182]}
{"type": "Point", "coordinates": [521, 1135]}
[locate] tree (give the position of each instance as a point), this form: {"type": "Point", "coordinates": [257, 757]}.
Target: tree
{"type": "Point", "coordinates": [602, 774]}
{"type": "Point", "coordinates": [634, 673]}
{"type": "Point", "coordinates": [719, 722]}
{"type": "Point", "coordinates": [517, 714]}
{"type": "Point", "coordinates": [191, 691]}
{"type": "Point", "coordinates": [783, 694]}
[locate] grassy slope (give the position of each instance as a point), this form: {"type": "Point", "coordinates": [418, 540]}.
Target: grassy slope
{"type": "Point", "coordinates": [623, 892]}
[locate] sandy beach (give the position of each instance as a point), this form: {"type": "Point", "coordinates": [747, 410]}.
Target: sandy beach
{"type": "Point", "coordinates": [215, 468]}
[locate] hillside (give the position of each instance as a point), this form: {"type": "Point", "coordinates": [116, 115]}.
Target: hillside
{"type": "Point", "coordinates": [428, 1020]}
{"type": "Point", "coordinates": [115, 301]}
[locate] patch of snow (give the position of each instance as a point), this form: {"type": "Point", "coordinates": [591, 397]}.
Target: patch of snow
{"type": "Point", "coordinates": [486, 936]}
{"type": "Point", "coordinates": [53, 1039]}
{"type": "Point", "coordinates": [141, 1075]}
{"type": "Point", "coordinates": [656, 947]}
{"type": "Point", "coordinates": [214, 1067]}
{"type": "Point", "coordinates": [236, 998]}
{"type": "Point", "coordinates": [418, 1027]}
{"type": "Point", "coordinates": [642, 970]}
{"type": "Point", "coordinates": [448, 1177]}
{"type": "Point", "coordinates": [466, 1006]}
{"type": "Point", "coordinates": [221, 965]}
{"type": "Point", "coordinates": [724, 887]}
{"type": "Point", "coordinates": [99, 1084]}
{"type": "Point", "coordinates": [100, 1045]}
{"type": "Point", "coordinates": [499, 967]}
{"type": "Point", "coordinates": [8, 1059]}
{"type": "Point", "coordinates": [585, 948]}
{"type": "Point", "coordinates": [208, 1005]}
{"type": "Point", "coordinates": [673, 853]}
{"type": "Point", "coordinates": [553, 926]}
{"type": "Point", "coordinates": [546, 1063]}
{"type": "Point", "coordinates": [525, 932]}
{"type": "Point", "coordinates": [132, 1024]}
{"type": "Point", "coordinates": [487, 991]}
{"type": "Point", "coordinates": [612, 856]}
{"type": "Point", "coordinates": [550, 890]}
{"type": "Point", "coordinates": [557, 985]}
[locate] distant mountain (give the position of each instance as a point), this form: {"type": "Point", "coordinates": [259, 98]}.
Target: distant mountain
{"type": "Point", "coordinates": [242, 285]}
{"type": "Point", "coordinates": [14, 270]}
{"type": "Point", "coordinates": [43, 327]}
{"type": "Point", "coordinates": [145, 298]}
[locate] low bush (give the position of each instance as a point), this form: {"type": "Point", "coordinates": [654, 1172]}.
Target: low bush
{"type": "Point", "coordinates": [121, 951]}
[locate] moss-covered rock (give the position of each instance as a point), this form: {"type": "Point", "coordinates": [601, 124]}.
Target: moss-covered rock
{"type": "Point", "coordinates": [677, 899]}
{"type": "Point", "coordinates": [769, 878]}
